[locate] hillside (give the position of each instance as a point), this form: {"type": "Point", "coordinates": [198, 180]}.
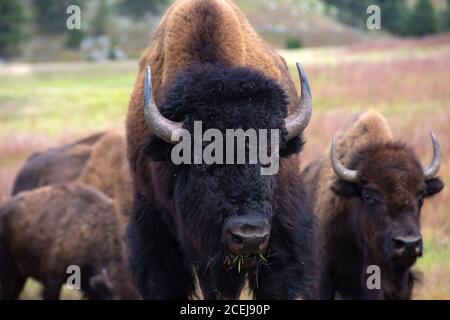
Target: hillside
{"type": "Point", "coordinates": [306, 20]}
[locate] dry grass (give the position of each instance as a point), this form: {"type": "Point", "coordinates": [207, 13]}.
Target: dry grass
{"type": "Point", "coordinates": [408, 81]}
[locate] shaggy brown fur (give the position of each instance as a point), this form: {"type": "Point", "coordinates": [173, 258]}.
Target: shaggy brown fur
{"type": "Point", "coordinates": [55, 165]}
{"type": "Point", "coordinates": [98, 160]}
{"type": "Point", "coordinates": [50, 228]}
{"type": "Point", "coordinates": [188, 23]}
{"type": "Point", "coordinates": [107, 170]}
{"type": "Point", "coordinates": [360, 220]}
{"type": "Point", "coordinates": [194, 38]}
{"type": "Point", "coordinates": [366, 128]}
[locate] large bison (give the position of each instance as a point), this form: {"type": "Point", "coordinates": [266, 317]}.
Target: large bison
{"type": "Point", "coordinates": [217, 222]}
{"type": "Point", "coordinates": [46, 230]}
{"type": "Point", "coordinates": [368, 196]}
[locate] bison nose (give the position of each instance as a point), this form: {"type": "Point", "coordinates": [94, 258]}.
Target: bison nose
{"type": "Point", "coordinates": [410, 246]}
{"type": "Point", "coordinates": [247, 235]}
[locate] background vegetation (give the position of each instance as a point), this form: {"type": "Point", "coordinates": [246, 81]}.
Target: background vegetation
{"type": "Point", "coordinates": [123, 25]}
{"type": "Point", "coordinates": [51, 103]}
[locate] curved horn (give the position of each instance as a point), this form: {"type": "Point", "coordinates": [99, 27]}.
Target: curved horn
{"type": "Point", "coordinates": [158, 124]}
{"type": "Point", "coordinates": [341, 171]}
{"type": "Point", "coordinates": [430, 171]}
{"type": "Point", "coordinates": [298, 121]}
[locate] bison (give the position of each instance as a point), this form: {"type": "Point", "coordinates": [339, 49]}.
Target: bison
{"type": "Point", "coordinates": [43, 231]}
{"type": "Point", "coordinates": [98, 160]}
{"type": "Point", "coordinates": [215, 222]}
{"type": "Point", "coordinates": [368, 196]}
{"type": "Point", "coordinates": [55, 165]}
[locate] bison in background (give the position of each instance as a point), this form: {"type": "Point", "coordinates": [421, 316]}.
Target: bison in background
{"type": "Point", "coordinates": [55, 165]}
{"type": "Point", "coordinates": [98, 160]}
{"type": "Point", "coordinates": [75, 180]}
{"type": "Point", "coordinates": [209, 65]}
{"type": "Point", "coordinates": [368, 196]}
{"type": "Point", "coordinates": [50, 228]}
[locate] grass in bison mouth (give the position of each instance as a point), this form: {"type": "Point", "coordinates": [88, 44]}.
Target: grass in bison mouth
{"type": "Point", "coordinates": [240, 262]}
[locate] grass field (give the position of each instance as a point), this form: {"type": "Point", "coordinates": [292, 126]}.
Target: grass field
{"type": "Point", "coordinates": [408, 81]}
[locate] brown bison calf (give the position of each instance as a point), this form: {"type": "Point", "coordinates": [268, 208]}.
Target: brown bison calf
{"type": "Point", "coordinates": [368, 197]}
{"type": "Point", "coordinates": [45, 230]}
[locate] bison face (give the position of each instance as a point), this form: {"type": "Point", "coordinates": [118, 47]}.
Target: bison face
{"type": "Point", "coordinates": [387, 197]}
{"type": "Point", "coordinates": [223, 212]}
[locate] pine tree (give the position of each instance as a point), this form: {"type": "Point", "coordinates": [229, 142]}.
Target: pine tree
{"type": "Point", "coordinates": [447, 17]}
{"type": "Point", "coordinates": [51, 15]}
{"type": "Point", "coordinates": [393, 15]}
{"type": "Point", "coordinates": [422, 20]}
{"type": "Point", "coordinates": [12, 25]}
{"type": "Point", "coordinates": [101, 19]}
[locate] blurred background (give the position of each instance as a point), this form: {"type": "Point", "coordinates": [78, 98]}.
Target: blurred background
{"type": "Point", "coordinates": [57, 85]}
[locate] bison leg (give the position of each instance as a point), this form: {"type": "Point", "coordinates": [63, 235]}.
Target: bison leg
{"type": "Point", "coordinates": [51, 290]}
{"type": "Point", "coordinates": [156, 261]}
{"type": "Point", "coordinates": [12, 286]}
{"type": "Point", "coordinates": [11, 279]}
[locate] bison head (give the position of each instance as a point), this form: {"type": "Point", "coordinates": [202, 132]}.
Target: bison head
{"type": "Point", "coordinates": [388, 185]}
{"type": "Point", "coordinates": [223, 211]}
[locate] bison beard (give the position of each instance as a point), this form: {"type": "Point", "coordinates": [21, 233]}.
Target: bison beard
{"type": "Point", "coordinates": [176, 228]}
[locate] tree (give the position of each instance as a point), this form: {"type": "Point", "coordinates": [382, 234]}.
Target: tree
{"type": "Point", "coordinates": [51, 14]}
{"type": "Point", "coordinates": [101, 19]}
{"type": "Point", "coordinates": [393, 15]}
{"type": "Point", "coordinates": [138, 8]}
{"type": "Point", "coordinates": [12, 21]}
{"type": "Point", "coordinates": [447, 17]}
{"type": "Point", "coordinates": [422, 20]}
{"type": "Point", "coordinates": [351, 12]}
{"type": "Point", "coordinates": [74, 38]}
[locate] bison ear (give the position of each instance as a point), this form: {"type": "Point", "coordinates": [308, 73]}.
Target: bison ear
{"type": "Point", "coordinates": [293, 146]}
{"type": "Point", "coordinates": [434, 185]}
{"type": "Point", "coordinates": [345, 189]}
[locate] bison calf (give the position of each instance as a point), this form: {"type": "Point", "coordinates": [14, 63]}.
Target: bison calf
{"type": "Point", "coordinates": [368, 197]}
{"type": "Point", "coordinates": [45, 230]}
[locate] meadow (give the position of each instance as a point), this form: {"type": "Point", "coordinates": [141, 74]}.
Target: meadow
{"type": "Point", "coordinates": [50, 104]}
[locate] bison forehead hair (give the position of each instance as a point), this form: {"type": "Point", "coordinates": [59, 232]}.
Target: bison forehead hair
{"type": "Point", "coordinates": [225, 97]}
{"type": "Point", "coordinates": [392, 168]}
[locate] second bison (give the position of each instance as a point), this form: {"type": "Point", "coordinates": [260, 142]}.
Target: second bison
{"type": "Point", "coordinates": [46, 230]}
{"type": "Point", "coordinates": [368, 197]}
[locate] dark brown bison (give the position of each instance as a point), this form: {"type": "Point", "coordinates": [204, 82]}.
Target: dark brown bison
{"type": "Point", "coordinates": [368, 199]}
{"type": "Point", "coordinates": [218, 222]}
{"type": "Point", "coordinates": [46, 230]}
{"type": "Point", "coordinates": [55, 165]}
{"type": "Point", "coordinates": [98, 160]}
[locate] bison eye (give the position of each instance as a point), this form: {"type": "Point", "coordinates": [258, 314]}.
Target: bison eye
{"type": "Point", "coordinates": [368, 197]}
{"type": "Point", "coordinates": [420, 197]}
